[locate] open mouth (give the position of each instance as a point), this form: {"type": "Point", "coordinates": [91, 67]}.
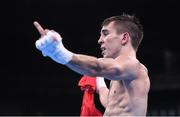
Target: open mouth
{"type": "Point", "coordinates": [103, 49]}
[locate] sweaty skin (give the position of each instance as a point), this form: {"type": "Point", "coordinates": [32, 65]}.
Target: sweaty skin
{"type": "Point", "coordinates": [129, 85]}
{"type": "Point", "coordinates": [128, 97]}
{"type": "Point", "coordinates": [128, 92]}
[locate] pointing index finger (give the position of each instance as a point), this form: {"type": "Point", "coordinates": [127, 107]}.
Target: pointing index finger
{"type": "Point", "coordinates": [39, 28]}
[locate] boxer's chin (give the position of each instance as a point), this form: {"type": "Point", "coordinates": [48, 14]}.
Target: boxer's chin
{"type": "Point", "coordinates": [105, 56]}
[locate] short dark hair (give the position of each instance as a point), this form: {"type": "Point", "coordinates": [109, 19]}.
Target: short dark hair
{"type": "Point", "coordinates": [127, 23]}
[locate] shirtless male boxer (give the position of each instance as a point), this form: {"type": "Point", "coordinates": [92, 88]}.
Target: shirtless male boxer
{"type": "Point", "coordinates": [119, 39]}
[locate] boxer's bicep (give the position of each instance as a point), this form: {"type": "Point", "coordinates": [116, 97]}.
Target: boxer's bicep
{"type": "Point", "coordinates": [118, 70]}
{"type": "Point", "coordinates": [110, 69]}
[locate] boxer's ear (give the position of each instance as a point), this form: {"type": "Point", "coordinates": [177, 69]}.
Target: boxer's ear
{"type": "Point", "coordinates": [125, 38]}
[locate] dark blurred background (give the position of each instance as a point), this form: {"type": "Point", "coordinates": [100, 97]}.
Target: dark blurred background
{"type": "Point", "coordinates": [31, 84]}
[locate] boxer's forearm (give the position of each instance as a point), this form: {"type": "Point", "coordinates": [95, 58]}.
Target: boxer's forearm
{"type": "Point", "coordinates": [84, 64]}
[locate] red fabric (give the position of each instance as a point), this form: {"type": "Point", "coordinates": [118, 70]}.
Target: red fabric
{"type": "Point", "coordinates": [88, 85]}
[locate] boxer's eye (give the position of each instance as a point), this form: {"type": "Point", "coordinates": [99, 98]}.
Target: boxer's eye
{"type": "Point", "coordinates": [104, 32]}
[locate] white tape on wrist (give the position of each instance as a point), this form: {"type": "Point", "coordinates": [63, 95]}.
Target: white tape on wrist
{"type": "Point", "coordinates": [61, 54]}
{"type": "Point", "coordinates": [54, 48]}
{"type": "Point", "coordinates": [100, 82]}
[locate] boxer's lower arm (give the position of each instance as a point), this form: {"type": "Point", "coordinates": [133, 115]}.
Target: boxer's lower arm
{"type": "Point", "coordinates": [62, 55]}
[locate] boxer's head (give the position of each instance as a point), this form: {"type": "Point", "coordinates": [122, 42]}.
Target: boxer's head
{"type": "Point", "coordinates": [119, 31]}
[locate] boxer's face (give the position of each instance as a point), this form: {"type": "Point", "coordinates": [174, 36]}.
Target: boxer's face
{"type": "Point", "coordinates": [110, 41]}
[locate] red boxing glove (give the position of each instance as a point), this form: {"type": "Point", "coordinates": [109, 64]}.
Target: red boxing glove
{"type": "Point", "coordinates": [88, 85]}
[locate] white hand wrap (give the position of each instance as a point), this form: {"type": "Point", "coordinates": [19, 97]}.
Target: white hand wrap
{"type": "Point", "coordinates": [51, 45]}
{"type": "Point", "coordinates": [100, 83]}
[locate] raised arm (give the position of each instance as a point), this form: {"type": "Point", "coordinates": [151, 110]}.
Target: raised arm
{"type": "Point", "coordinates": [50, 44]}
{"type": "Point", "coordinates": [92, 66]}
